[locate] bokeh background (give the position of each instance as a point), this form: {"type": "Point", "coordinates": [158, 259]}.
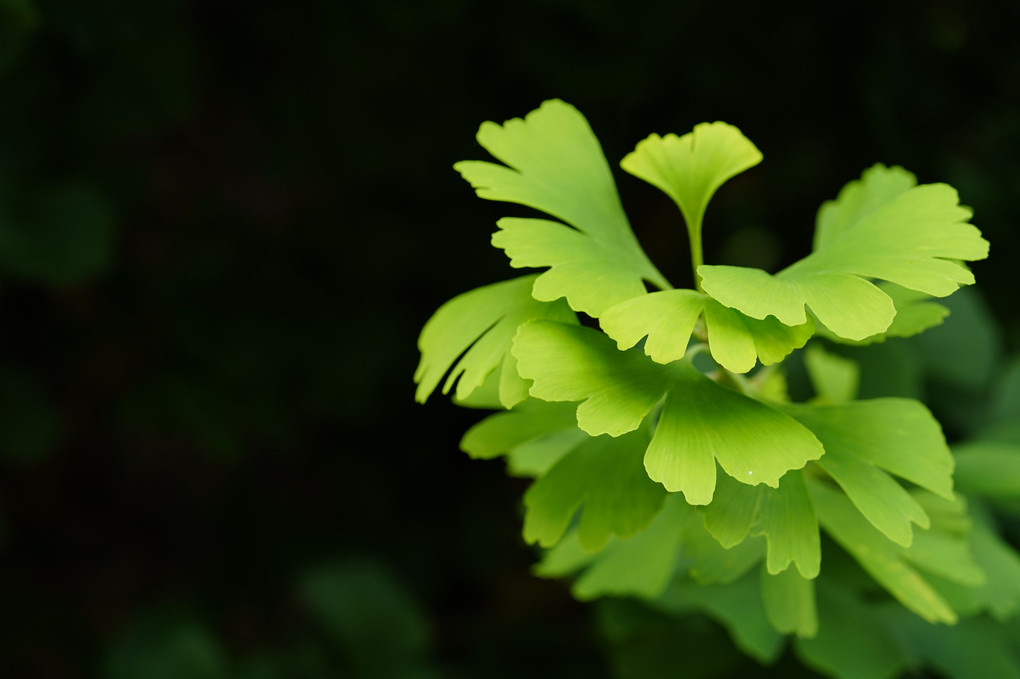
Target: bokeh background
{"type": "Point", "coordinates": [223, 223]}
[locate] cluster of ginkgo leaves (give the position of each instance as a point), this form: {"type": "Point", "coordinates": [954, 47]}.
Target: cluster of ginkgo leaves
{"type": "Point", "coordinates": [625, 430]}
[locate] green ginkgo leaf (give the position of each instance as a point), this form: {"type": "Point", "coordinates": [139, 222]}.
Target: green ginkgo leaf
{"type": "Point", "coordinates": [789, 600]}
{"type": "Point", "coordinates": [691, 168]}
{"type": "Point", "coordinates": [865, 439]}
{"type": "Point", "coordinates": [835, 379]}
{"type": "Point", "coordinates": [554, 163]}
{"type": "Point", "coordinates": [915, 313]}
{"type": "Point", "coordinates": [893, 566]}
{"type": "Point", "coordinates": [843, 615]}
{"type": "Point", "coordinates": [1000, 592]}
{"type": "Point", "coordinates": [477, 328]}
{"type": "Point", "coordinates": [701, 423]}
{"type": "Point", "coordinates": [738, 606]}
{"type": "Point", "coordinates": [642, 565]}
{"type": "Point", "coordinates": [913, 238]}
{"type": "Point", "coordinates": [784, 516]}
{"type": "Point", "coordinates": [603, 474]}
{"type": "Point", "coordinates": [989, 468]}
{"type": "Point", "coordinates": [667, 319]}
{"type": "Point", "coordinates": [533, 436]}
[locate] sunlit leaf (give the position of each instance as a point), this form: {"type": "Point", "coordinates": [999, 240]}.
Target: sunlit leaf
{"type": "Point", "coordinates": [477, 328]}
{"type": "Point", "coordinates": [668, 318]}
{"type": "Point", "coordinates": [914, 238]}
{"type": "Point", "coordinates": [554, 163]}
{"type": "Point", "coordinates": [915, 313]}
{"type": "Point", "coordinates": [689, 169]}
{"type": "Point", "coordinates": [701, 422]}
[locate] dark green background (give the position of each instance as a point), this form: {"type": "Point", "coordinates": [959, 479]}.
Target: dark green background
{"type": "Point", "coordinates": [222, 225]}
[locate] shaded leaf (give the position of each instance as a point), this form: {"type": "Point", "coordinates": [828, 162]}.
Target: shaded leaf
{"type": "Point", "coordinates": [863, 438]}
{"type": "Point", "coordinates": [641, 565]}
{"type": "Point", "coordinates": [833, 377]}
{"type": "Point", "coordinates": [737, 606]}
{"type": "Point", "coordinates": [603, 474]}
{"type": "Point", "coordinates": [789, 601]}
{"type": "Point", "coordinates": [852, 642]}
{"type": "Point", "coordinates": [880, 557]}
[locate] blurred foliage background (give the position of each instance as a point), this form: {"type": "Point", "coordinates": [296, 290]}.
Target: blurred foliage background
{"type": "Point", "coordinates": [223, 223]}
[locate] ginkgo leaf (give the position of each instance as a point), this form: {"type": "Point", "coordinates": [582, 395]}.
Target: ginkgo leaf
{"type": "Point", "coordinates": [842, 615]}
{"type": "Point", "coordinates": [784, 516]}
{"type": "Point", "coordinates": [606, 477]}
{"type": "Point", "coordinates": [668, 318]}
{"type": "Point", "coordinates": [689, 169]}
{"type": "Point", "coordinates": [500, 433]}
{"type": "Point", "coordinates": [789, 600]}
{"type": "Point", "coordinates": [480, 324]}
{"type": "Point", "coordinates": [641, 565]}
{"type": "Point", "coordinates": [888, 563]}
{"type": "Point", "coordinates": [701, 422]}
{"type": "Point", "coordinates": [1000, 593]}
{"type": "Point", "coordinates": [976, 647]}
{"type": "Point", "coordinates": [989, 468]}
{"type": "Point", "coordinates": [534, 436]}
{"type": "Point", "coordinates": [554, 163]}
{"type": "Point", "coordinates": [834, 378]}
{"type": "Point", "coordinates": [915, 313]}
{"type": "Point", "coordinates": [913, 238]}
{"type": "Point", "coordinates": [737, 606]}
{"type": "Point", "coordinates": [863, 438]}
{"type": "Point", "coordinates": [878, 185]}
{"type": "Point", "coordinates": [707, 562]}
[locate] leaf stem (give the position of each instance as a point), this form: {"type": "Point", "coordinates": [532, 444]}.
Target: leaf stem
{"type": "Point", "coordinates": [694, 237]}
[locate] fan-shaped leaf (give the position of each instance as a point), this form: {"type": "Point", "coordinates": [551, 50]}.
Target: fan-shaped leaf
{"type": "Point", "coordinates": [914, 239]}
{"type": "Point", "coordinates": [554, 163]}
{"type": "Point", "coordinates": [480, 324]}
{"type": "Point", "coordinates": [668, 318]}
{"type": "Point", "coordinates": [603, 474]}
{"type": "Point", "coordinates": [701, 422]}
{"type": "Point", "coordinates": [689, 169]}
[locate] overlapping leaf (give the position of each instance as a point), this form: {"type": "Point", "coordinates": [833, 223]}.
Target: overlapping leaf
{"type": "Point", "coordinates": [533, 436]}
{"type": "Point", "coordinates": [789, 600]}
{"type": "Point", "coordinates": [603, 474]}
{"type": "Point", "coordinates": [865, 439]}
{"type": "Point", "coordinates": [941, 552]}
{"type": "Point", "coordinates": [701, 423]}
{"type": "Point", "coordinates": [785, 516]}
{"type": "Point", "coordinates": [480, 325]}
{"type": "Point", "coordinates": [668, 318]}
{"type": "Point", "coordinates": [554, 163]}
{"type": "Point", "coordinates": [915, 313]}
{"type": "Point", "coordinates": [642, 565]}
{"type": "Point", "coordinates": [881, 227]}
